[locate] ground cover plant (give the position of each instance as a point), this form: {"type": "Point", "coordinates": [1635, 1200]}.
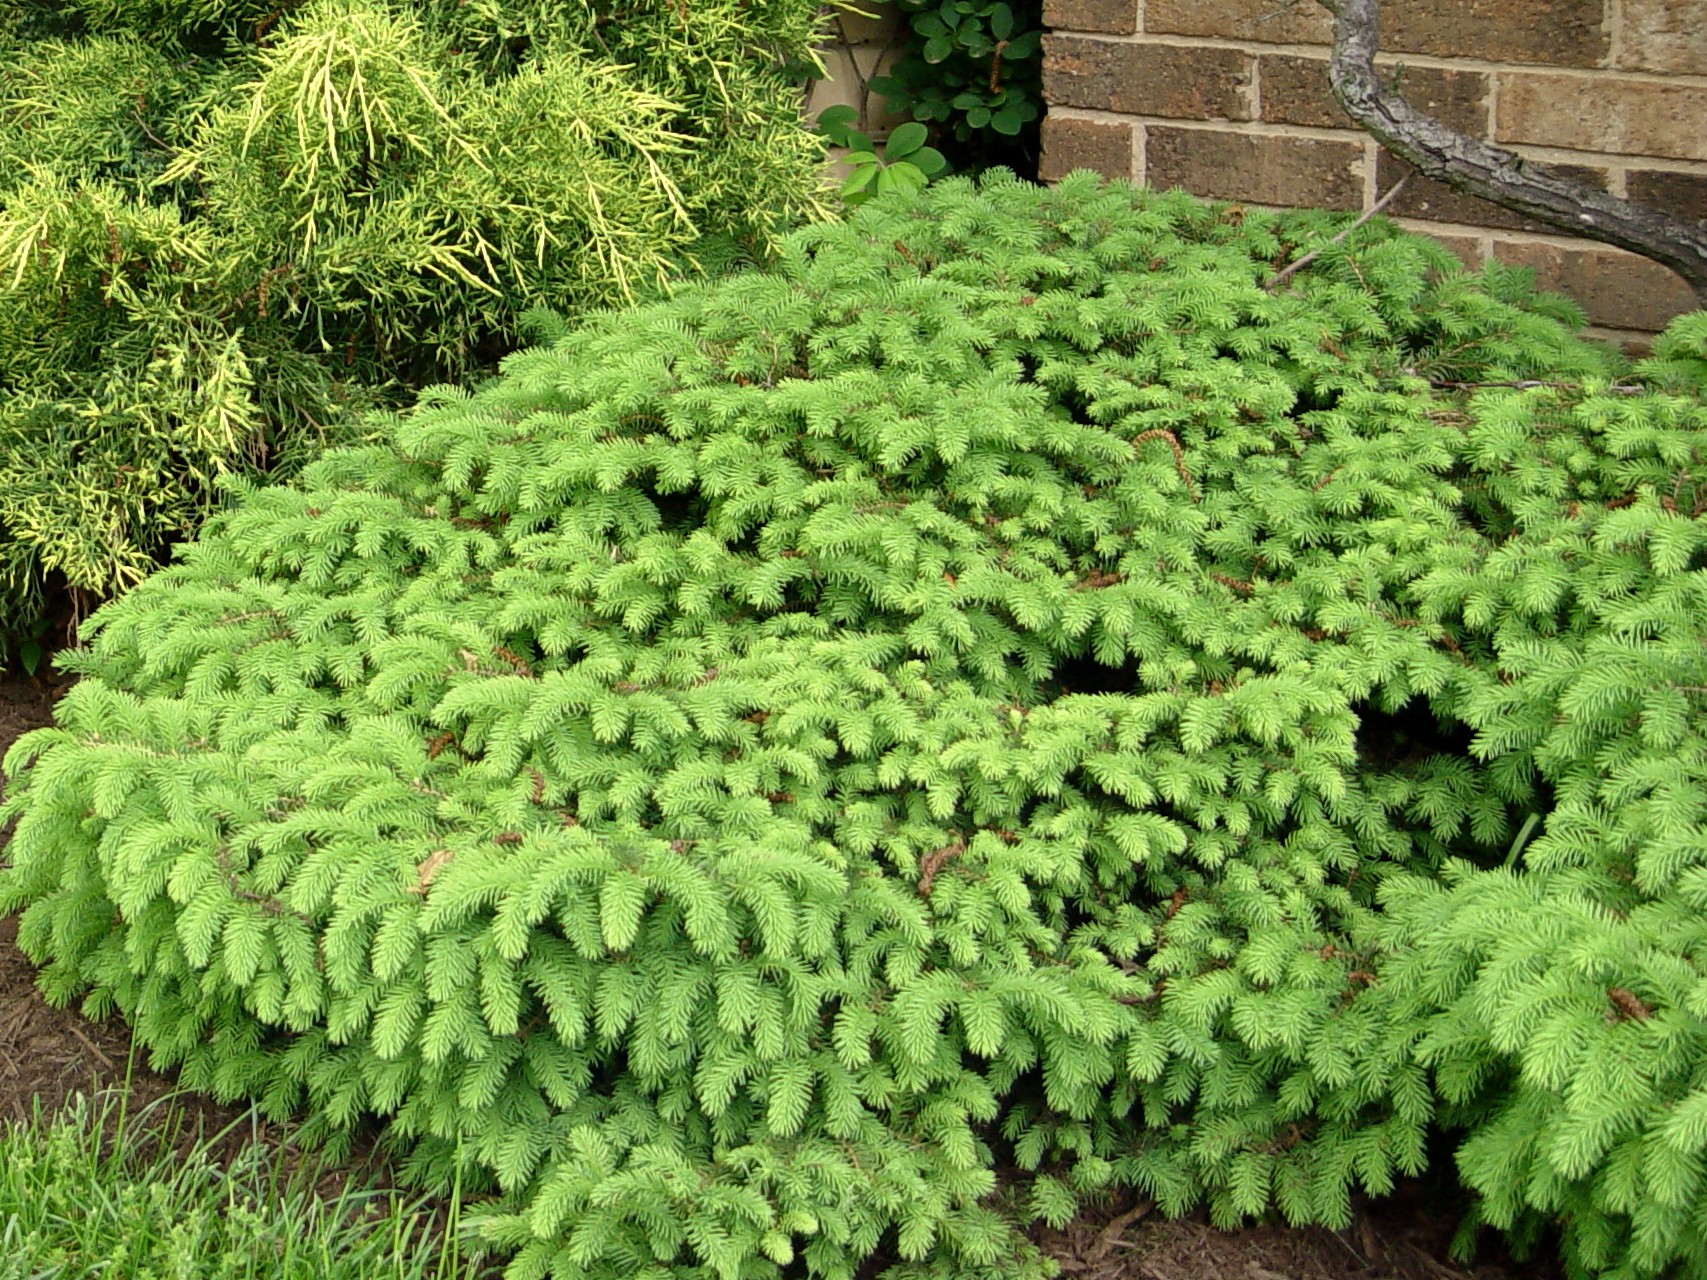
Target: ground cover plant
{"type": "Point", "coordinates": [96, 1189]}
{"type": "Point", "coordinates": [974, 68]}
{"type": "Point", "coordinates": [1016, 682]}
{"type": "Point", "coordinates": [227, 227]}
{"type": "Point", "coordinates": [50, 1055]}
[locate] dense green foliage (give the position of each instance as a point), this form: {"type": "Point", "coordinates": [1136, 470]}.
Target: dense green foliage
{"type": "Point", "coordinates": [973, 66]}
{"type": "Point", "coordinates": [1002, 684]}
{"type": "Point", "coordinates": [906, 163]}
{"type": "Point", "coordinates": [227, 226]}
{"type": "Point", "coordinates": [97, 1188]}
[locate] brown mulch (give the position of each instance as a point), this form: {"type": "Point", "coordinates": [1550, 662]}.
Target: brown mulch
{"type": "Point", "coordinates": [1407, 1236]}
{"type": "Point", "coordinates": [47, 1054]}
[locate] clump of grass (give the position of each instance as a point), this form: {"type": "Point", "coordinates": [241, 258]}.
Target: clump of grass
{"type": "Point", "coordinates": [93, 1191]}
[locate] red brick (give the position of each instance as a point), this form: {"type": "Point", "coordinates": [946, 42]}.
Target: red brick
{"type": "Point", "coordinates": [1437, 202]}
{"type": "Point", "coordinates": [1467, 249]}
{"type": "Point", "coordinates": [1683, 195]}
{"type": "Point", "coordinates": [1565, 33]}
{"type": "Point", "coordinates": [1070, 143]}
{"type": "Point", "coordinates": [1618, 290]}
{"type": "Point", "coordinates": [1294, 90]}
{"type": "Point", "coordinates": [1560, 33]}
{"type": "Point", "coordinates": [1665, 35]}
{"type": "Point", "coordinates": [1261, 169]}
{"type": "Point", "coordinates": [1117, 17]}
{"type": "Point", "coordinates": [1603, 113]}
{"type": "Point", "coordinates": [1638, 344]}
{"type": "Point", "coordinates": [1271, 21]}
{"type": "Point", "coordinates": [1147, 79]}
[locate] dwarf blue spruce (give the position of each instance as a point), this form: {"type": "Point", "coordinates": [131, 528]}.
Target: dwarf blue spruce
{"type": "Point", "coordinates": [1001, 685]}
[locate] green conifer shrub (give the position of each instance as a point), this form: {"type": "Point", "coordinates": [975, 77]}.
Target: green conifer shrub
{"type": "Point", "coordinates": [226, 228]}
{"type": "Point", "coordinates": [1563, 999]}
{"type": "Point", "coordinates": [1001, 684]}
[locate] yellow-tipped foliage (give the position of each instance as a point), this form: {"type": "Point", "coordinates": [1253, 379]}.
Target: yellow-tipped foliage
{"type": "Point", "coordinates": [228, 229]}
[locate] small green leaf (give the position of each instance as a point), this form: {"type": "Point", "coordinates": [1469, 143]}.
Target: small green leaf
{"type": "Point", "coordinates": [1008, 120]}
{"type": "Point", "coordinates": [978, 117]}
{"type": "Point", "coordinates": [906, 139]}
{"type": "Point", "coordinates": [837, 130]}
{"type": "Point", "coordinates": [907, 177]}
{"type": "Point", "coordinates": [936, 49]}
{"type": "Point", "coordinates": [859, 180]}
{"type": "Point", "coordinates": [928, 161]}
{"type": "Point", "coordinates": [29, 656]}
{"type": "Point", "coordinates": [863, 157]}
{"type": "Point", "coordinates": [1001, 22]}
{"type": "Point", "coordinates": [1022, 47]}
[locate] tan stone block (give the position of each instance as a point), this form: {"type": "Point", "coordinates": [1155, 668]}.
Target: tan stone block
{"type": "Point", "coordinates": [1683, 195]}
{"type": "Point", "coordinates": [1294, 90]}
{"type": "Point", "coordinates": [837, 90]}
{"type": "Point", "coordinates": [1262, 169]}
{"type": "Point", "coordinates": [1618, 290]}
{"type": "Point", "coordinates": [1603, 113]}
{"type": "Point", "coordinates": [1665, 35]}
{"type": "Point", "coordinates": [1147, 79]}
{"type": "Point", "coordinates": [877, 23]}
{"type": "Point", "coordinates": [1070, 143]}
{"type": "Point", "coordinates": [841, 88]}
{"type": "Point", "coordinates": [1117, 17]}
{"type": "Point", "coordinates": [1437, 202]}
{"type": "Point", "coordinates": [1560, 33]}
{"type": "Point", "coordinates": [1269, 21]}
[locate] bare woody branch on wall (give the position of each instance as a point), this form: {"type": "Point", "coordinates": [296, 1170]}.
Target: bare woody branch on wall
{"type": "Point", "coordinates": [1491, 172]}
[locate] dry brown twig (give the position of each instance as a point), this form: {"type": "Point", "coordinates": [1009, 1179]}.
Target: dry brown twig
{"type": "Point", "coordinates": [1293, 268]}
{"type": "Point", "coordinates": [1160, 433]}
{"type": "Point", "coordinates": [1110, 1235]}
{"type": "Point", "coordinates": [933, 863]}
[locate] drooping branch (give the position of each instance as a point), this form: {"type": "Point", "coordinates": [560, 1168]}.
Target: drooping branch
{"type": "Point", "coordinates": [1482, 169]}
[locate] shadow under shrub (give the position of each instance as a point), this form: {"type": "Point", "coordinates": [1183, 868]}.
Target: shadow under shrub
{"type": "Point", "coordinates": [767, 747]}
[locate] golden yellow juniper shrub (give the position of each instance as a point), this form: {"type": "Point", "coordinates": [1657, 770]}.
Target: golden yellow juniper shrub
{"type": "Point", "coordinates": [228, 229]}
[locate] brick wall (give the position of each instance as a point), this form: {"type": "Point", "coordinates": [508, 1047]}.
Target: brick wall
{"type": "Point", "coordinates": [1229, 99]}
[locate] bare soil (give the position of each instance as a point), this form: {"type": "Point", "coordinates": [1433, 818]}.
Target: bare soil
{"type": "Point", "coordinates": [47, 1054]}
{"type": "Point", "coordinates": [1404, 1237]}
